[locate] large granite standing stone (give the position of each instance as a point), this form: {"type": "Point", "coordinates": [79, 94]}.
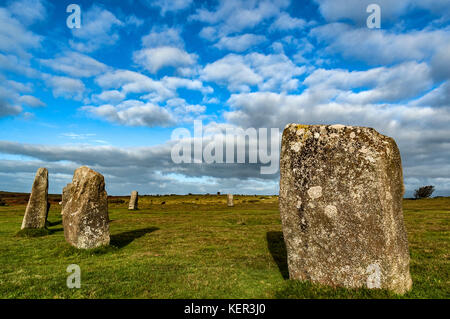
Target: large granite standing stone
{"type": "Point", "coordinates": [341, 191]}
{"type": "Point", "coordinates": [133, 205]}
{"type": "Point", "coordinates": [85, 210]}
{"type": "Point", "coordinates": [230, 201]}
{"type": "Point", "coordinates": [38, 205]}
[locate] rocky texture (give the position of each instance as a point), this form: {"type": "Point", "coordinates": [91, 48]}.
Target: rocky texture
{"type": "Point", "coordinates": [38, 205]}
{"type": "Point", "coordinates": [64, 197]}
{"type": "Point", "coordinates": [341, 190]}
{"type": "Point", "coordinates": [230, 201]}
{"type": "Point", "coordinates": [133, 205]}
{"type": "Point", "coordinates": [85, 210]}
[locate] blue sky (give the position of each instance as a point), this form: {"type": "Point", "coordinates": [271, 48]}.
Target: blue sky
{"type": "Point", "coordinates": [110, 94]}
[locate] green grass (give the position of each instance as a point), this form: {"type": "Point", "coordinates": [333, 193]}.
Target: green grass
{"type": "Point", "coordinates": [197, 247]}
{"type": "Point", "coordinates": [29, 232]}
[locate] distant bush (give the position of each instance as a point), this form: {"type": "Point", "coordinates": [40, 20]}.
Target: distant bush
{"type": "Point", "coordinates": [2, 202]}
{"type": "Point", "coordinates": [424, 191]}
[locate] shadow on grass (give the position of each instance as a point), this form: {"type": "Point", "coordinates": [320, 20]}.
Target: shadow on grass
{"type": "Point", "coordinates": [277, 248]}
{"type": "Point", "coordinates": [123, 239]}
{"type": "Point", "coordinates": [56, 230]}
{"type": "Point", "coordinates": [39, 232]}
{"type": "Point", "coordinates": [59, 222]}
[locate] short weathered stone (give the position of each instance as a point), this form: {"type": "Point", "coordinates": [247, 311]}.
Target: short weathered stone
{"type": "Point", "coordinates": [133, 205]}
{"type": "Point", "coordinates": [38, 205]}
{"type": "Point", "coordinates": [341, 191]}
{"type": "Point", "coordinates": [230, 201]}
{"type": "Point", "coordinates": [85, 210]}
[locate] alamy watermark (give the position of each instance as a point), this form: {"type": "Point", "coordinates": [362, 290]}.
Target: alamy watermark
{"type": "Point", "coordinates": [74, 279]}
{"type": "Point", "coordinates": [235, 146]}
{"type": "Point", "coordinates": [374, 19]}
{"type": "Point", "coordinates": [74, 19]}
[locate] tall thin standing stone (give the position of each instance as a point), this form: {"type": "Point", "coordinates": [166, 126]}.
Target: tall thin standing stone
{"type": "Point", "coordinates": [133, 205]}
{"type": "Point", "coordinates": [230, 201]}
{"type": "Point", "coordinates": [85, 210]}
{"type": "Point", "coordinates": [37, 208]}
{"type": "Point", "coordinates": [341, 191]}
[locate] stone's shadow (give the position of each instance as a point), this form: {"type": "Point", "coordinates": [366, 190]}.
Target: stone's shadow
{"type": "Point", "coordinates": [52, 231]}
{"type": "Point", "coordinates": [123, 239]}
{"type": "Point", "coordinates": [59, 222]}
{"type": "Point", "coordinates": [277, 248]}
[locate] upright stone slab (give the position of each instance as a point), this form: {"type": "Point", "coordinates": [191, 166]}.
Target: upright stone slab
{"type": "Point", "coordinates": [230, 201]}
{"type": "Point", "coordinates": [64, 197]}
{"type": "Point", "coordinates": [133, 205]}
{"type": "Point", "coordinates": [85, 210]}
{"type": "Point", "coordinates": [341, 191]}
{"type": "Point", "coordinates": [37, 208]}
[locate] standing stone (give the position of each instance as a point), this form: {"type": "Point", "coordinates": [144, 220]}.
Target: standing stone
{"type": "Point", "coordinates": [37, 208]}
{"type": "Point", "coordinates": [341, 191]}
{"type": "Point", "coordinates": [64, 197]}
{"type": "Point", "coordinates": [230, 201]}
{"type": "Point", "coordinates": [85, 210]}
{"type": "Point", "coordinates": [133, 205]}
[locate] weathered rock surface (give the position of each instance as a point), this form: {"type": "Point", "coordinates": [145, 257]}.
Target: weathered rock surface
{"type": "Point", "coordinates": [230, 201]}
{"type": "Point", "coordinates": [341, 190]}
{"type": "Point", "coordinates": [133, 205]}
{"type": "Point", "coordinates": [38, 205]}
{"type": "Point", "coordinates": [85, 210]}
{"type": "Point", "coordinates": [64, 197]}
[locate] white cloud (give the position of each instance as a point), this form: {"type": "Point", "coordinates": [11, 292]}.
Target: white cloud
{"type": "Point", "coordinates": [158, 58]}
{"type": "Point", "coordinates": [286, 23]}
{"type": "Point", "coordinates": [28, 11]}
{"type": "Point", "coordinates": [240, 73]}
{"type": "Point", "coordinates": [233, 72]}
{"type": "Point", "coordinates": [233, 16]}
{"type": "Point", "coordinates": [150, 169]}
{"type": "Point", "coordinates": [440, 63]}
{"type": "Point", "coordinates": [171, 5]}
{"type": "Point", "coordinates": [240, 43]}
{"type": "Point", "coordinates": [75, 64]}
{"type": "Point", "coordinates": [17, 65]}
{"type": "Point", "coordinates": [112, 96]}
{"type": "Point", "coordinates": [134, 82]}
{"type": "Point", "coordinates": [208, 33]}
{"type": "Point", "coordinates": [11, 98]}
{"type": "Point", "coordinates": [16, 86]}
{"type": "Point", "coordinates": [14, 38]}
{"type": "Point", "coordinates": [7, 109]}
{"type": "Point", "coordinates": [334, 10]}
{"type": "Point", "coordinates": [132, 113]}
{"type": "Point", "coordinates": [382, 84]}
{"type": "Point", "coordinates": [163, 36]}
{"type": "Point", "coordinates": [31, 101]}
{"type": "Point", "coordinates": [438, 97]}
{"type": "Point", "coordinates": [380, 47]}
{"type": "Point", "coordinates": [98, 29]}
{"type": "Point", "coordinates": [66, 87]}
{"type": "Point", "coordinates": [133, 20]}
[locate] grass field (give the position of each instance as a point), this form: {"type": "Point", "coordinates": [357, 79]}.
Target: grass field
{"type": "Point", "coordinates": [196, 247]}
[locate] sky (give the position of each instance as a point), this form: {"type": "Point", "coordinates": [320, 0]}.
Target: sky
{"type": "Point", "coordinates": [111, 93]}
